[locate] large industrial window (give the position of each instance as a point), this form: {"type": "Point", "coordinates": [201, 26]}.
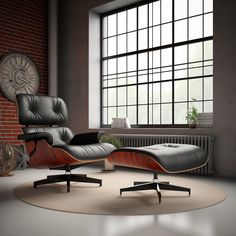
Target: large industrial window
{"type": "Point", "coordinates": [157, 61]}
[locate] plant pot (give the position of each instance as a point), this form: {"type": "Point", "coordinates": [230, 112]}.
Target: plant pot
{"type": "Point", "coordinates": [192, 125]}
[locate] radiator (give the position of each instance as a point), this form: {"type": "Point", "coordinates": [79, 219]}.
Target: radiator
{"type": "Point", "coordinates": [203, 141]}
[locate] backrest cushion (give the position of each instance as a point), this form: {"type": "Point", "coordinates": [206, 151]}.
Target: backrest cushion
{"type": "Point", "coordinates": [60, 135]}
{"type": "Point", "coordinates": [41, 110]}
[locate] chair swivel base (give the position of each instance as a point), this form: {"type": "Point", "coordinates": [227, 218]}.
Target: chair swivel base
{"type": "Point", "coordinates": [67, 178]}
{"type": "Point", "coordinates": [155, 185]}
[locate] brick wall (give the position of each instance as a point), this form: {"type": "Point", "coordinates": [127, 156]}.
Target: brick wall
{"type": "Point", "coordinates": [23, 28]}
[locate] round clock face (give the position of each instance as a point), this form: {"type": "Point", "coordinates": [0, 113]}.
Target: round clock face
{"type": "Point", "coordinates": [18, 74]}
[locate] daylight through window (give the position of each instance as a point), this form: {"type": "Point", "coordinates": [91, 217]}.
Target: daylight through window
{"type": "Point", "coordinates": [156, 58]}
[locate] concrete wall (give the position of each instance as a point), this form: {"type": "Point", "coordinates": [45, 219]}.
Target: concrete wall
{"type": "Point", "coordinates": [73, 77]}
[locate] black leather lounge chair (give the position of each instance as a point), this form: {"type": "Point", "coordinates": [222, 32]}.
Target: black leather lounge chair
{"type": "Point", "coordinates": [54, 147]}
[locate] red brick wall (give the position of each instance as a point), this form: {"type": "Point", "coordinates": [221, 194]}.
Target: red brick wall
{"type": "Point", "coordinates": [23, 28]}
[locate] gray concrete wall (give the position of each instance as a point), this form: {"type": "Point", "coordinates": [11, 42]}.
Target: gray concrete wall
{"type": "Point", "coordinates": [73, 77]}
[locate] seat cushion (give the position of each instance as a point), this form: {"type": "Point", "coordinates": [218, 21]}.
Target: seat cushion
{"type": "Point", "coordinates": [90, 151]}
{"type": "Point", "coordinates": [170, 157]}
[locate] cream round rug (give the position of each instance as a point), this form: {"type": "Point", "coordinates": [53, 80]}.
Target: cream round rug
{"type": "Point", "coordinates": [90, 199]}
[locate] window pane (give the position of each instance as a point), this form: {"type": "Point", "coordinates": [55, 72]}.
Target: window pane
{"type": "Point", "coordinates": [132, 114]}
{"type": "Point", "coordinates": [104, 116]}
{"type": "Point", "coordinates": [121, 44]}
{"type": "Point", "coordinates": [104, 99]}
{"type": "Point", "coordinates": [132, 63]}
{"type": "Point", "coordinates": [142, 114]}
{"type": "Point", "coordinates": [166, 34]}
{"type": "Point", "coordinates": [208, 50]}
{"type": "Point", "coordinates": [208, 25]}
{"type": "Point", "coordinates": [180, 9]}
{"type": "Point", "coordinates": [208, 106]}
{"type": "Point", "coordinates": [181, 30]}
{"type": "Point", "coordinates": [132, 95]}
{"type": "Point", "coordinates": [111, 82]}
{"type": "Point", "coordinates": [208, 88]}
{"type": "Point", "coordinates": [132, 41]}
{"type": "Point", "coordinates": [156, 36]}
{"type": "Point", "coordinates": [195, 72]}
{"type": "Point", "coordinates": [156, 13]}
{"type": "Point", "coordinates": [208, 70]}
{"type": "Point", "coordinates": [156, 93]}
{"type": "Point", "coordinates": [142, 94]}
{"type": "Point", "coordinates": [150, 114]}
{"type": "Point", "coordinates": [111, 46]}
{"type": "Point", "coordinates": [208, 5]}
{"type": "Point", "coordinates": [166, 11]}
{"type": "Point", "coordinates": [104, 67]}
{"type": "Point", "coordinates": [142, 79]}
{"type": "Point", "coordinates": [112, 97]}
{"type": "Point", "coordinates": [195, 52]}
{"type": "Point", "coordinates": [181, 91]}
{"type": "Point", "coordinates": [121, 112]}
{"type": "Point", "coordinates": [166, 57]}
{"type": "Point", "coordinates": [180, 113]}
{"type": "Point", "coordinates": [122, 22]}
{"type": "Point", "coordinates": [111, 66]}
{"type": "Point", "coordinates": [156, 58]}
{"type": "Point", "coordinates": [104, 47]}
{"type": "Point", "coordinates": [111, 114]}
{"type": "Point", "coordinates": [156, 114]}
{"type": "Point", "coordinates": [195, 89]}
{"type": "Point", "coordinates": [142, 17]}
{"type": "Point", "coordinates": [104, 27]}
{"type": "Point", "coordinates": [132, 19]}
{"type": "Point", "coordinates": [142, 61]}
{"type": "Point", "coordinates": [142, 42]}
{"type": "Point", "coordinates": [195, 7]}
{"type": "Point", "coordinates": [179, 74]}
{"type": "Point", "coordinates": [166, 113]}
{"type": "Point", "coordinates": [181, 54]}
{"type": "Point", "coordinates": [166, 92]}
{"type": "Point", "coordinates": [132, 80]}
{"type": "Point", "coordinates": [122, 96]}
{"type": "Point", "coordinates": [195, 27]}
{"type": "Point", "coordinates": [121, 64]}
{"type": "Point", "coordinates": [197, 105]}
{"type": "Point", "coordinates": [112, 25]}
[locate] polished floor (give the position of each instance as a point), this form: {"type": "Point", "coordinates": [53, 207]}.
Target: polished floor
{"type": "Point", "coordinates": [20, 219]}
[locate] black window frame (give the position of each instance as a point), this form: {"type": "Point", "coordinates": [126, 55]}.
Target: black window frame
{"type": "Point", "coordinates": [150, 49]}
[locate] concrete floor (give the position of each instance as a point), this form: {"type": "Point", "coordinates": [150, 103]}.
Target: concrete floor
{"type": "Point", "coordinates": [20, 219]}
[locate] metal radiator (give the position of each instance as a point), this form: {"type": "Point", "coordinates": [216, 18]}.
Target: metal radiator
{"type": "Point", "coordinates": [203, 141]}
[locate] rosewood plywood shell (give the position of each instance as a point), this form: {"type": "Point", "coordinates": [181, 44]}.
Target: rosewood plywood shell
{"type": "Point", "coordinates": [46, 156]}
{"type": "Point", "coordinates": [136, 160]}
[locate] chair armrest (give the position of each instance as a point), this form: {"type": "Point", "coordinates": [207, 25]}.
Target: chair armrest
{"type": "Point", "coordinates": [86, 138]}
{"type": "Point", "coordinates": [36, 136]}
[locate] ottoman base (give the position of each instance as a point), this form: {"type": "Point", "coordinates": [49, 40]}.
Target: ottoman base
{"type": "Point", "coordinates": [156, 185]}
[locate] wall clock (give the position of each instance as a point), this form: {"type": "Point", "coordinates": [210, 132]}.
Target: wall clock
{"type": "Point", "coordinates": [18, 74]}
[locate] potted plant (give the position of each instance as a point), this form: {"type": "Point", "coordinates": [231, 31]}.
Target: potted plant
{"type": "Point", "coordinates": [191, 117]}
{"type": "Point", "coordinates": [114, 141]}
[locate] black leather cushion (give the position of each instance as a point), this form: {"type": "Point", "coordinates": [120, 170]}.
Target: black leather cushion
{"type": "Point", "coordinates": [172, 157]}
{"type": "Point", "coordinates": [60, 135]}
{"type": "Point", "coordinates": [86, 138]}
{"type": "Point", "coordinates": [41, 110]}
{"type": "Point", "coordinates": [89, 152]}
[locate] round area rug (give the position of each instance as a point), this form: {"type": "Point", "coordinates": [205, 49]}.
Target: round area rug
{"type": "Point", "coordinates": [90, 199]}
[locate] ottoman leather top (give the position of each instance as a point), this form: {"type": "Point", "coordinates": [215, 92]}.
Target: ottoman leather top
{"type": "Point", "coordinates": [169, 156]}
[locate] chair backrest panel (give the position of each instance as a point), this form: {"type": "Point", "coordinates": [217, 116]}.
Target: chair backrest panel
{"type": "Point", "coordinates": [41, 110]}
{"type": "Point", "coordinates": [60, 135]}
